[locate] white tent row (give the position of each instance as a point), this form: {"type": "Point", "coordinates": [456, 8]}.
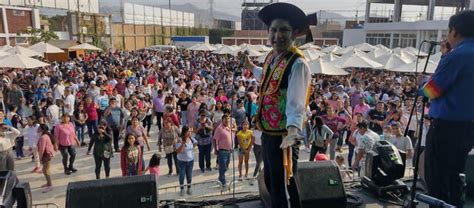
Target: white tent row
{"type": "Point", "coordinates": [21, 62]}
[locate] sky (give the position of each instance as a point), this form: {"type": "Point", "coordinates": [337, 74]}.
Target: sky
{"type": "Point", "coordinates": [343, 7]}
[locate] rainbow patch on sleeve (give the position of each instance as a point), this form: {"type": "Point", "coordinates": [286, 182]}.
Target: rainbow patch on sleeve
{"type": "Point", "coordinates": [431, 90]}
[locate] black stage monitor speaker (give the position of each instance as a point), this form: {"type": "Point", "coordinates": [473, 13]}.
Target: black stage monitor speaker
{"type": "Point", "coordinates": [22, 194]}
{"type": "Point", "coordinates": [8, 181]}
{"type": "Point", "coordinates": [385, 163]}
{"type": "Point", "coordinates": [469, 171]}
{"type": "Point", "coordinates": [320, 185]}
{"type": "Point", "coordinates": [120, 192]}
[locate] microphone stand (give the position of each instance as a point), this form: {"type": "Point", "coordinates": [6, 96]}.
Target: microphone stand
{"type": "Point", "coordinates": [413, 201]}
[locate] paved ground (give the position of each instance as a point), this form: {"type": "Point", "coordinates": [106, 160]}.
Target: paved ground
{"type": "Point", "coordinates": [207, 186]}
{"type": "Point", "coordinates": [86, 166]}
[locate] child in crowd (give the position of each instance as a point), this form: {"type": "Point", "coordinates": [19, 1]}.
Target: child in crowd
{"type": "Point", "coordinates": [342, 167]}
{"type": "Point", "coordinates": [46, 150]}
{"type": "Point", "coordinates": [245, 138]}
{"type": "Point", "coordinates": [130, 157]}
{"type": "Point", "coordinates": [154, 165]}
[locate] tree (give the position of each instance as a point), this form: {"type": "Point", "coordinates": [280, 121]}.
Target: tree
{"type": "Point", "coordinates": [39, 35]}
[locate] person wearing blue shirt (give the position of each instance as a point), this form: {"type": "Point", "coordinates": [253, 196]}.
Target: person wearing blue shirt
{"type": "Point", "coordinates": [451, 134]}
{"type": "Point", "coordinates": [185, 150]}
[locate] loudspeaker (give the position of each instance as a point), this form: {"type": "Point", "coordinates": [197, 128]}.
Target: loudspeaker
{"type": "Point", "coordinates": [120, 192]}
{"type": "Point", "coordinates": [385, 163]}
{"type": "Point", "coordinates": [320, 185]}
{"type": "Point", "coordinates": [262, 189]}
{"type": "Point", "coordinates": [8, 181]}
{"type": "Point", "coordinates": [469, 171]}
{"type": "Point", "coordinates": [22, 194]}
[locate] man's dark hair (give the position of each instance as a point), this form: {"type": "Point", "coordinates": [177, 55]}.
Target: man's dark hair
{"type": "Point", "coordinates": [463, 23]}
{"type": "Point", "coordinates": [362, 125]}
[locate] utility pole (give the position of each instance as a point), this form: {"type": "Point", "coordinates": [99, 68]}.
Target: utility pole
{"type": "Point", "coordinates": [79, 28]}
{"type": "Point", "coordinates": [357, 16]}
{"type": "Point", "coordinates": [122, 6]}
{"type": "Point", "coordinates": [211, 11]}
{"type": "Point", "coordinates": [169, 4]}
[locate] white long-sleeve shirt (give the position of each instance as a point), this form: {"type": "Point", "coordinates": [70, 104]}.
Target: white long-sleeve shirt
{"type": "Point", "coordinates": [7, 138]}
{"type": "Point", "coordinates": [299, 80]}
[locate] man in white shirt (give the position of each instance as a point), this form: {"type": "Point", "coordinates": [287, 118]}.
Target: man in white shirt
{"type": "Point", "coordinates": [400, 141]}
{"type": "Point", "coordinates": [59, 90]}
{"type": "Point", "coordinates": [365, 141]}
{"type": "Point", "coordinates": [52, 113]}
{"type": "Point", "coordinates": [69, 102]}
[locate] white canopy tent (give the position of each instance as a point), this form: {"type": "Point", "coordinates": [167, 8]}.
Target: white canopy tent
{"type": "Point", "coordinates": [85, 46]}
{"type": "Point", "coordinates": [263, 48]}
{"type": "Point", "coordinates": [312, 54]}
{"type": "Point", "coordinates": [414, 67]}
{"type": "Point", "coordinates": [365, 47]}
{"type": "Point", "coordinates": [251, 52]}
{"type": "Point", "coordinates": [43, 48]}
{"type": "Point", "coordinates": [382, 47]}
{"type": "Point", "coordinates": [203, 47]}
{"type": "Point", "coordinates": [390, 61]}
{"type": "Point", "coordinates": [320, 66]}
{"type": "Point", "coordinates": [330, 57]}
{"type": "Point", "coordinates": [224, 50]}
{"type": "Point", "coordinates": [404, 54]}
{"type": "Point", "coordinates": [23, 51]}
{"type": "Point", "coordinates": [343, 51]}
{"type": "Point", "coordinates": [378, 52]}
{"type": "Point", "coordinates": [21, 62]}
{"type": "Point", "coordinates": [356, 61]}
{"type": "Point", "coordinates": [309, 46]}
{"type": "Point", "coordinates": [331, 49]}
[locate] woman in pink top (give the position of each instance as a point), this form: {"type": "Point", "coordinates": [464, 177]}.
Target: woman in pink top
{"type": "Point", "coordinates": [154, 165]}
{"type": "Point", "coordinates": [65, 136]}
{"type": "Point", "coordinates": [46, 151]}
{"type": "Point", "coordinates": [221, 96]}
{"type": "Point", "coordinates": [92, 117]}
{"type": "Point", "coordinates": [193, 110]}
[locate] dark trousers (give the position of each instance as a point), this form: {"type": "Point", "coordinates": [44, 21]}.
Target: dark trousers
{"type": "Point", "coordinates": [274, 175]}
{"type": "Point", "coordinates": [170, 157]}
{"type": "Point", "coordinates": [447, 146]}
{"type": "Point", "coordinates": [19, 142]}
{"type": "Point", "coordinates": [205, 156]}
{"type": "Point", "coordinates": [257, 151]}
{"type": "Point", "coordinates": [80, 130]}
{"type": "Point", "coordinates": [350, 155]}
{"type": "Point", "coordinates": [92, 128]}
{"type": "Point", "coordinates": [315, 150]}
{"type": "Point", "coordinates": [68, 152]}
{"type": "Point", "coordinates": [147, 123]}
{"type": "Point", "coordinates": [159, 117]}
{"type": "Point", "coordinates": [116, 135]}
{"type": "Point", "coordinates": [98, 165]}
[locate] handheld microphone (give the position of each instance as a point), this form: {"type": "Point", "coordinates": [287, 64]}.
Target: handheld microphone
{"type": "Point", "coordinates": [434, 43]}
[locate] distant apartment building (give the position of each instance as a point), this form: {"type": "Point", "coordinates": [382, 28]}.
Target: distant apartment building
{"type": "Point", "coordinates": [397, 31]}
{"type": "Point", "coordinates": [253, 37]}
{"type": "Point", "coordinates": [14, 21]}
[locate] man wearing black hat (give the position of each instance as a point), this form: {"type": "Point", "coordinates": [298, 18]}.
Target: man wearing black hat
{"type": "Point", "coordinates": [284, 90]}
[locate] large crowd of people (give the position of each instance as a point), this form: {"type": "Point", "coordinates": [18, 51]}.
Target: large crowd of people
{"type": "Point", "coordinates": [200, 102]}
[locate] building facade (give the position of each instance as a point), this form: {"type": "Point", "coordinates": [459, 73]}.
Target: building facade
{"type": "Point", "coordinates": [395, 32]}
{"type": "Point", "coordinates": [14, 22]}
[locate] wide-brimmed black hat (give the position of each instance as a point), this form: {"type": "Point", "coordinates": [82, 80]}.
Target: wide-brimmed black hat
{"type": "Point", "coordinates": [297, 18]}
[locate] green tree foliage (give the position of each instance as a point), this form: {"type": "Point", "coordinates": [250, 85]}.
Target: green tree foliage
{"type": "Point", "coordinates": [39, 35]}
